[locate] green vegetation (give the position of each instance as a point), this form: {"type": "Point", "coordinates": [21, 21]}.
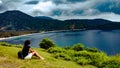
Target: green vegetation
{"type": "Point", "coordinates": [9, 59]}
{"type": "Point", "coordinates": [46, 43]}
{"type": "Point", "coordinates": [85, 56]}
{"type": "Point", "coordinates": [78, 47]}
{"type": "Point", "coordinates": [76, 56]}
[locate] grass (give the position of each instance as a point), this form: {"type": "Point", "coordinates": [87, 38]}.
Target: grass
{"type": "Point", "coordinates": [9, 59]}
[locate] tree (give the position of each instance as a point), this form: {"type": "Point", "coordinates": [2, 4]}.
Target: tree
{"type": "Point", "coordinates": [46, 43]}
{"type": "Point", "coordinates": [78, 47]}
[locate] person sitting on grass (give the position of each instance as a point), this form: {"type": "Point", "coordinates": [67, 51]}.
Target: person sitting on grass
{"type": "Point", "coordinates": [27, 52]}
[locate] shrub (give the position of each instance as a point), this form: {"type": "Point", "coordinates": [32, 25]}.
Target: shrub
{"type": "Point", "coordinates": [82, 53]}
{"type": "Point", "coordinates": [56, 50]}
{"type": "Point", "coordinates": [63, 56]}
{"type": "Point", "coordinates": [98, 58]}
{"type": "Point", "coordinates": [70, 52]}
{"type": "Point", "coordinates": [110, 64]}
{"type": "Point", "coordinates": [46, 43]}
{"type": "Point", "coordinates": [92, 49]}
{"type": "Point", "coordinates": [5, 44]}
{"type": "Point", "coordinates": [82, 60]}
{"type": "Point", "coordinates": [77, 53]}
{"type": "Point", "coordinates": [67, 47]}
{"type": "Point", "coordinates": [10, 45]}
{"type": "Point", "coordinates": [78, 47]}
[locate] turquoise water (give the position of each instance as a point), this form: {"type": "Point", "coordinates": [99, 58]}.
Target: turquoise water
{"type": "Point", "coordinates": [107, 41]}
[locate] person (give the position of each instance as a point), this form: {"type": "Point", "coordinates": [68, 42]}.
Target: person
{"type": "Point", "coordinates": [27, 52]}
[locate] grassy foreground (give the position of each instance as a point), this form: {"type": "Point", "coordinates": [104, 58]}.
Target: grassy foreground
{"type": "Point", "coordinates": [9, 59]}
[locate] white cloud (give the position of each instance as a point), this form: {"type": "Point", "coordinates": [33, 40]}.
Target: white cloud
{"type": "Point", "coordinates": [107, 16]}
{"type": "Point", "coordinates": [44, 7]}
{"type": "Point", "coordinates": [0, 2]}
{"type": "Point", "coordinates": [76, 6]}
{"type": "Point", "coordinates": [110, 16]}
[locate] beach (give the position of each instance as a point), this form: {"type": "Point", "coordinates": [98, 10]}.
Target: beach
{"type": "Point", "coordinates": [15, 36]}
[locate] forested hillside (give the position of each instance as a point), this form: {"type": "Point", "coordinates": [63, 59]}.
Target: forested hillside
{"type": "Point", "coordinates": [17, 20]}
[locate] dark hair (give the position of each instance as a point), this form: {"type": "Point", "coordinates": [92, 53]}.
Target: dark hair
{"type": "Point", "coordinates": [27, 42]}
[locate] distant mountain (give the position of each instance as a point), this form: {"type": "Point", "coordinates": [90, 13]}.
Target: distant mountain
{"type": "Point", "coordinates": [95, 24]}
{"type": "Point", "coordinates": [17, 20]}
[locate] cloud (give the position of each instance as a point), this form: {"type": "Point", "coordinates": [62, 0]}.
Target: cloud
{"type": "Point", "coordinates": [65, 9]}
{"type": "Point", "coordinates": [0, 2]}
{"type": "Point", "coordinates": [74, 1]}
{"type": "Point", "coordinates": [32, 2]}
{"type": "Point", "coordinates": [44, 7]}
{"type": "Point", "coordinates": [107, 16]}
{"type": "Point", "coordinates": [78, 8]}
{"type": "Point", "coordinates": [9, 5]}
{"type": "Point", "coordinates": [50, 8]}
{"type": "Point", "coordinates": [109, 6]}
{"type": "Point", "coordinates": [57, 2]}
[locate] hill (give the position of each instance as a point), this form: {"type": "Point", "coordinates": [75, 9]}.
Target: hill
{"type": "Point", "coordinates": [17, 20]}
{"type": "Point", "coordinates": [56, 57]}
{"type": "Point", "coordinates": [8, 59]}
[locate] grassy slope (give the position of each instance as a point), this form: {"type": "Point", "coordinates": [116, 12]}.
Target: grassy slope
{"type": "Point", "coordinates": [8, 59]}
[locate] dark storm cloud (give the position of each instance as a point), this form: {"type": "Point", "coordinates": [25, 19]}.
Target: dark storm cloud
{"type": "Point", "coordinates": [74, 1]}
{"type": "Point", "coordinates": [32, 2]}
{"type": "Point", "coordinates": [9, 1]}
{"type": "Point", "coordinates": [109, 6]}
{"type": "Point", "coordinates": [57, 2]}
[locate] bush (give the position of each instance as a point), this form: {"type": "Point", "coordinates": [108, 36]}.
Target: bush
{"type": "Point", "coordinates": [56, 50]}
{"type": "Point", "coordinates": [82, 53]}
{"type": "Point", "coordinates": [46, 43]}
{"type": "Point", "coordinates": [67, 47]}
{"type": "Point", "coordinates": [70, 52]}
{"type": "Point", "coordinates": [6, 44]}
{"type": "Point", "coordinates": [92, 58]}
{"type": "Point", "coordinates": [82, 60]}
{"type": "Point", "coordinates": [63, 56]}
{"type": "Point", "coordinates": [92, 49]}
{"type": "Point", "coordinates": [10, 45]}
{"type": "Point", "coordinates": [78, 47]}
{"type": "Point", "coordinates": [110, 64]}
{"type": "Point", "coordinates": [98, 58]}
{"type": "Point", "coordinates": [77, 53]}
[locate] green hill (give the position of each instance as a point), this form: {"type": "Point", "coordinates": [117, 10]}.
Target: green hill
{"type": "Point", "coordinates": [9, 59]}
{"type": "Point", "coordinates": [17, 20]}
{"type": "Point", "coordinates": [76, 56]}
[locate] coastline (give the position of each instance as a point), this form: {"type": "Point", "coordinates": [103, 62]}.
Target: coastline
{"type": "Point", "coordinates": [38, 33]}
{"type": "Point", "coordinates": [15, 36]}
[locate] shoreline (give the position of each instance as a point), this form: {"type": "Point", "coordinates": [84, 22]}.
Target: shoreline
{"type": "Point", "coordinates": [41, 33]}
{"type": "Point", "coordinates": [4, 38]}
{"type": "Point", "coordinates": [15, 36]}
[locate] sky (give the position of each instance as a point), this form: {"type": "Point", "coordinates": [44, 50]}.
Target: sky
{"type": "Point", "coordinates": [66, 9]}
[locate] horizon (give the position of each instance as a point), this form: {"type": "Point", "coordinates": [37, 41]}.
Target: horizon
{"type": "Point", "coordinates": [66, 9]}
